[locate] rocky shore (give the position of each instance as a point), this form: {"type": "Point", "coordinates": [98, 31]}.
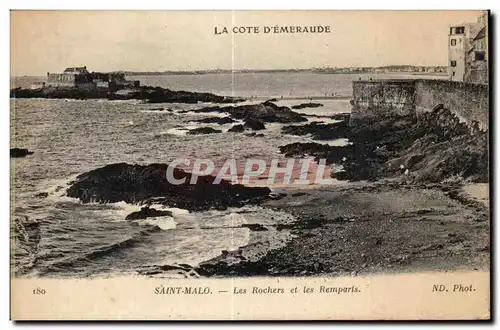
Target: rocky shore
{"type": "Point", "coordinates": [319, 131]}
{"type": "Point", "coordinates": [415, 215]}
{"type": "Point", "coordinates": [412, 214]}
{"type": "Point", "coordinates": [147, 93]}
{"type": "Point", "coordinates": [266, 112]}
{"type": "Point", "coordinates": [383, 227]}
{"type": "Point", "coordinates": [432, 147]}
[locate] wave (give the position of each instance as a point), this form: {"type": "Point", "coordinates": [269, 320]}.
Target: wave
{"type": "Point", "coordinates": [131, 101]}
{"type": "Point", "coordinates": [73, 262]}
{"type": "Point", "coordinates": [165, 223]}
{"type": "Point", "coordinates": [206, 114]}
{"type": "Point", "coordinates": [163, 111]}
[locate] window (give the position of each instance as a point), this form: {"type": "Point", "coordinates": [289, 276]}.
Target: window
{"type": "Point", "coordinates": [453, 42]}
{"type": "Point", "coordinates": [480, 56]}
{"type": "Point", "coordinates": [453, 73]}
{"type": "Point", "coordinates": [453, 63]}
{"type": "Point", "coordinates": [457, 30]}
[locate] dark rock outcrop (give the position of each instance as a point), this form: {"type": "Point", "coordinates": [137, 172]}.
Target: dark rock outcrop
{"type": "Point", "coordinates": [143, 183]}
{"type": "Point", "coordinates": [237, 129]}
{"type": "Point", "coordinates": [19, 152]}
{"type": "Point", "coordinates": [332, 154]}
{"type": "Point", "coordinates": [151, 94]}
{"type": "Point", "coordinates": [341, 116]}
{"type": "Point", "coordinates": [57, 93]}
{"type": "Point", "coordinates": [307, 105]}
{"type": "Point", "coordinates": [254, 227]}
{"type": "Point", "coordinates": [432, 147]}
{"type": "Point", "coordinates": [319, 131]}
{"type": "Point", "coordinates": [43, 194]}
{"type": "Point", "coordinates": [265, 112]}
{"type": "Point", "coordinates": [147, 212]}
{"type": "Point", "coordinates": [253, 134]}
{"type": "Point", "coordinates": [203, 130]}
{"type": "Point", "coordinates": [215, 120]}
{"type": "Point", "coordinates": [254, 124]}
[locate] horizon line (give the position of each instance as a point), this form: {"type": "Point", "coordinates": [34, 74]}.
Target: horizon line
{"type": "Point", "coordinates": [253, 69]}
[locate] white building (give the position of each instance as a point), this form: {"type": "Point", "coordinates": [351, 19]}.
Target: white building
{"type": "Point", "coordinates": [468, 50]}
{"type": "Point", "coordinates": [459, 43]}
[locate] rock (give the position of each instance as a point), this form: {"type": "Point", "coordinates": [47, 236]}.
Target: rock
{"type": "Point", "coordinates": [254, 227]}
{"type": "Point", "coordinates": [151, 94]}
{"type": "Point", "coordinates": [340, 175]}
{"type": "Point", "coordinates": [276, 195]}
{"type": "Point", "coordinates": [341, 116]}
{"type": "Point", "coordinates": [307, 105]}
{"type": "Point", "coordinates": [183, 267]}
{"type": "Point", "coordinates": [438, 107]}
{"type": "Point", "coordinates": [332, 154]}
{"type": "Point", "coordinates": [215, 120]}
{"type": "Point", "coordinates": [19, 152]}
{"type": "Point", "coordinates": [147, 212]}
{"type": "Point", "coordinates": [253, 134]}
{"type": "Point", "coordinates": [319, 131]}
{"type": "Point", "coordinates": [237, 129]}
{"type": "Point", "coordinates": [141, 183]}
{"type": "Point", "coordinates": [435, 146]}
{"type": "Point", "coordinates": [42, 195]}
{"type": "Point", "coordinates": [254, 124]}
{"type": "Point", "coordinates": [161, 95]}
{"type": "Point", "coordinates": [264, 112]}
{"type": "Point", "coordinates": [203, 130]}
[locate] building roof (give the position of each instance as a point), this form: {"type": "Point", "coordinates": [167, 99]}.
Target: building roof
{"type": "Point", "coordinates": [481, 34]}
{"type": "Point", "coordinates": [77, 69]}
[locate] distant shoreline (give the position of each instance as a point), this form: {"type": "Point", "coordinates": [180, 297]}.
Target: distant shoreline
{"type": "Point", "coordinates": [194, 73]}
{"type": "Point", "coordinates": [285, 98]}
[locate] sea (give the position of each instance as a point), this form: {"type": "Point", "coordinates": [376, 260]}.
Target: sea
{"type": "Point", "coordinates": [58, 236]}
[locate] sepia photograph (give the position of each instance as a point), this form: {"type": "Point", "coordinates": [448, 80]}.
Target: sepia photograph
{"type": "Point", "coordinates": [180, 147]}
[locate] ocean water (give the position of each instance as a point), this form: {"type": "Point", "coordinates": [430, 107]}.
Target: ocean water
{"type": "Point", "coordinates": [58, 236]}
{"type": "Point", "coordinates": [259, 85]}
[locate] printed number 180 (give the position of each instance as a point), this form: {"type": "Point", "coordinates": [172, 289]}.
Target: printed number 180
{"type": "Point", "coordinates": [39, 291]}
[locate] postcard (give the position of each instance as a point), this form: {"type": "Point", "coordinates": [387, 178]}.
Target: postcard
{"type": "Point", "coordinates": [250, 165]}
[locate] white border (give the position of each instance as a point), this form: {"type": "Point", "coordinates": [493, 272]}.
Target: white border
{"type": "Point", "coordinates": [185, 4]}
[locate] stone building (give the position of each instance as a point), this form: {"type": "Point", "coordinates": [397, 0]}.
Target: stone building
{"type": "Point", "coordinates": [71, 78]}
{"type": "Point", "coordinates": [81, 78]}
{"type": "Point", "coordinates": [476, 69]}
{"type": "Point", "coordinates": [468, 51]}
{"type": "Point", "coordinates": [459, 41]}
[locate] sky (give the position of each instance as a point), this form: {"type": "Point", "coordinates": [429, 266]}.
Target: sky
{"type": "Point", "coordinates": [49, 41]}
